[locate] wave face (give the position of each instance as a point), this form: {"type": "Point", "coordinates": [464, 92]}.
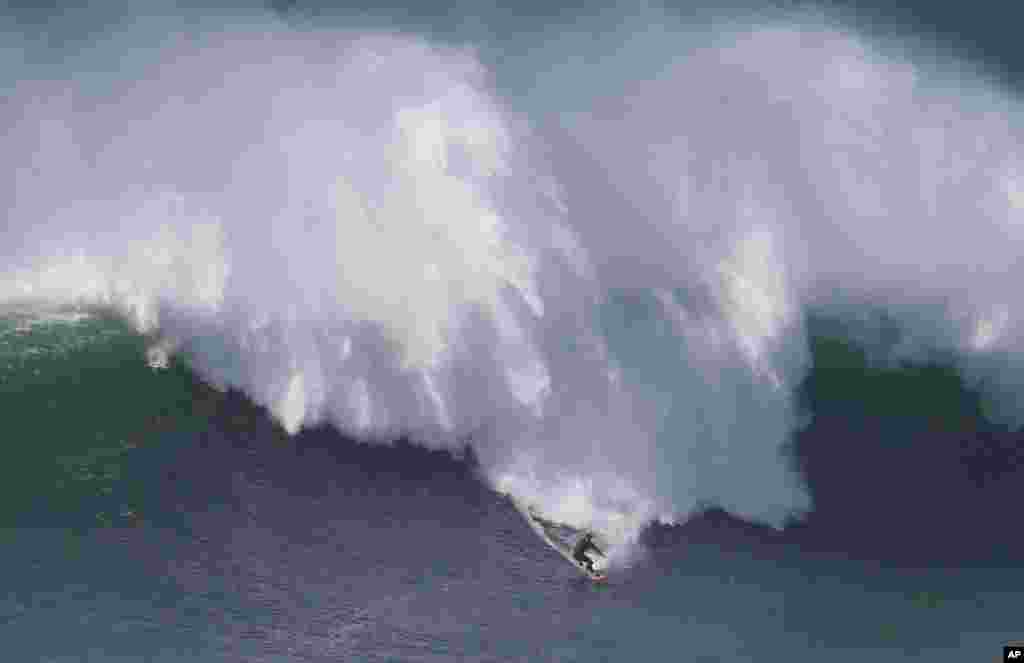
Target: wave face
{"type": "Point", "coordinates": [604, 286]}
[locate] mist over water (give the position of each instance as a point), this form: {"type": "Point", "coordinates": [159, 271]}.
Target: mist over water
{"type": "Point", "coordinates": [602, 282]}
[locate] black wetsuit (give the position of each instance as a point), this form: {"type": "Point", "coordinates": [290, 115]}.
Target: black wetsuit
{"type": "Point", "coordinates": [579, 553]}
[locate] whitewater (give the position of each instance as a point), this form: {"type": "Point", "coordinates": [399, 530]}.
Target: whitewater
{"type": "Point", "coordinates": [594, 263]}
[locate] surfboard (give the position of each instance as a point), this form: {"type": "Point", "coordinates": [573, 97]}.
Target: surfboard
{"type": "Point", "coordinates": [547, 530]}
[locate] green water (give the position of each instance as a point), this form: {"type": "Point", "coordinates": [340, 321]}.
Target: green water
{"type": "Point", "coordinates": [80, 406]}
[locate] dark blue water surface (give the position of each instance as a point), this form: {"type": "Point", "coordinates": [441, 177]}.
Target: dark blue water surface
{"type": "Point", "coordinates": [320, 549]}
{"type": "Point", "coordinates": [148, 517]}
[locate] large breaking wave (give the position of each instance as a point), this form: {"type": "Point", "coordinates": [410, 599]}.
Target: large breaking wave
{"type": "Point", "coordinates": [603, 286]}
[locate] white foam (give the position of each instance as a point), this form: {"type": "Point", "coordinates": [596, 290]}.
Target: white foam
{"type": "Point", "coordinates": [357, 228]}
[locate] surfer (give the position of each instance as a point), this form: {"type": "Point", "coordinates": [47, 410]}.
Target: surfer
{"type": "Point", "coordinates": [579, 553]}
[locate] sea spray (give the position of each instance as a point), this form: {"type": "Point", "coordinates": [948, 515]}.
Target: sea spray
{"type": "Point", "coordinates": [361, 228]}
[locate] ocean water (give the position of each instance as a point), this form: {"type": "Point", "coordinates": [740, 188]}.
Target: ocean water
{"type": "Point", "coordinates": [190, 527]}
{"type": "Point", "coordinates": [292, 297]}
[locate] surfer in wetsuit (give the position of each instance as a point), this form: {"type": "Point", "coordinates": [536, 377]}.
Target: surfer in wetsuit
{"type": "Point", "coordinates": [579, 552]}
